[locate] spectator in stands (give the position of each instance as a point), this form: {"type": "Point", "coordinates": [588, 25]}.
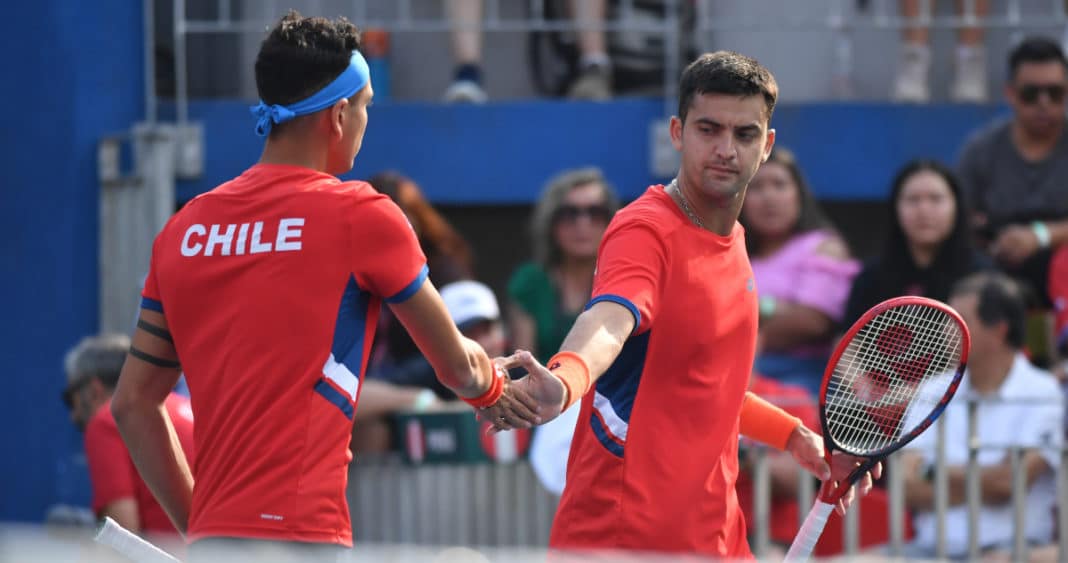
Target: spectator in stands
{"type": "Point", "coordinates": [593, 83]}
{"type": "Point", "coordinates": [1020, 405]}
{"type": "Point", "coordinates": [1015, 172]}
{"type": "Point", "coordinates": [93, 368]}
{"type": "Point", "coordinates": [803, 272]}
{"type": "Point", "coordinates": [969, 84]}
{"type": "Point", "coordinates": [378, 400]}
{"type": "Point", "coordinates": [411, 384]}
{"type": "Point", "coordinates": [448, 256]}
{"type": "Point", "coordinates": [474, 309]}
{"type": "Point", "coordinates": [927, 248]}
{"type": "Point", "coordinates": [547, 295]}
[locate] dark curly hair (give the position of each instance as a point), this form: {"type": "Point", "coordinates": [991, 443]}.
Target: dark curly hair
{"type": "Point", "coordinates": [301, 55]}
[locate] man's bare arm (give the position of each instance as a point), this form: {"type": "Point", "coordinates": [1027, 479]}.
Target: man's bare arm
{"type": "Point", "coordinates": [148, 376]}
{"type": "Point", "coordinates": [598, 336]}
{"type": "Point", "coordinates": [124, 512]}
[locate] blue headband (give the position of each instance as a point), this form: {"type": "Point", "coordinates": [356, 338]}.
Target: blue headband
{"type": "Point", "coordinates": [351, 80]}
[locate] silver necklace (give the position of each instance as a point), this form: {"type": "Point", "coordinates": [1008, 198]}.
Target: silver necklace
{"type": "Point", "coordinates": [685, 204]}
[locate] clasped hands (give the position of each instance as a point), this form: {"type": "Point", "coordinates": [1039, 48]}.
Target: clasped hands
{"type": "Point", "coordinates": [533, 399]}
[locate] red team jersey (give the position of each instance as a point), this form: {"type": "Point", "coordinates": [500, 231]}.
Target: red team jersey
{"type": "Point", "coordinates": [271, 286]}
{"type": "Point", "coordinates": [655, 454]}
{"type": "Point", "coordinates": [112, 471]}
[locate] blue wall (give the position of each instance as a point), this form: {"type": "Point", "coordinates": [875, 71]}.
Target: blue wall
{"type": "Point", "coordinates": [73, 74]}
{"type": "Point", "coordinates": [503, 153]}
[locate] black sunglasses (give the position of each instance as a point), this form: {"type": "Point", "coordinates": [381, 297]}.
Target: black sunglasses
{"type": "Point", "coordinates": [571, 213]}
{"type": "Point", "coordinates": [1029, 93]}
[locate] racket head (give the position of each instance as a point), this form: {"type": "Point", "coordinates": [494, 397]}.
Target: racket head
{"type": "Point", "coordinates": [891, 376]}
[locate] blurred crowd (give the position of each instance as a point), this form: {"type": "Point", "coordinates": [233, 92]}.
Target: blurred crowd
{"type": "Point", "coordinates": [988, 234]}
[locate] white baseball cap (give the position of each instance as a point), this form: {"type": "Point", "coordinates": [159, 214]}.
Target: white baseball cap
{"type": "Point", "coordinates": [469, 301]}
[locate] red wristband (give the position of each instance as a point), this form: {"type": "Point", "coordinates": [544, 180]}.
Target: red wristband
{"type": "Point", "coordinates": [493, 394]}
{"type": "Point", "coordinates": [573, 372]}
{"type": "Point", "coordinates": [765, 422]}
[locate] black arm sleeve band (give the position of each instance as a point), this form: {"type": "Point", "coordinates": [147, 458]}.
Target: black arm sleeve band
{"type": "Point", "coordinates": [154, 360]}
{"type": "Point", "coordinates": [154, 330]}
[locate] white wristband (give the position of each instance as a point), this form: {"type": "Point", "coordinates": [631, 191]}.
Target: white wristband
{"type": "Point", "coordinates": [1041, 233]}
{"type": "Point", "coordinates": [424, 400]}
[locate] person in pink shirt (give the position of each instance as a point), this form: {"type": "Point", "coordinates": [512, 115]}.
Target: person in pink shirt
{"type": "Point", "coordinates": [803, 272]}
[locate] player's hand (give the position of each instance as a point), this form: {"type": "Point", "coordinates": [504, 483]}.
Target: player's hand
{"type": "Point", "coordinates": [807, 449]}
{"type": "Point", "coordinates": [515, 409]}
{"type": "Point", "coordinates": [1014, 244]}
{"type": "Point", "coordinates": [841, 466]}
{"type": "Point", "coordinates": [546, 390]}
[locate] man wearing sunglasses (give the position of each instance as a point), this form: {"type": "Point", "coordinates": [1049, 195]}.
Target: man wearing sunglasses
{"type": "Point", "coordinates": [1015, 171]}
{"type": "Point", "coordinates": [93, 368]}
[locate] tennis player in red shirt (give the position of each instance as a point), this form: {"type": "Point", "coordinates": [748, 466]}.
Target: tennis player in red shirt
{"type": "Point", "coordinates": [265, 291]}
{"type": "Point", "coordinates": [662, 355]}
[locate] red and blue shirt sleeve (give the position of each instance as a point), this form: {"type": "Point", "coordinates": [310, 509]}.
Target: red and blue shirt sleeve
{"type": "Point", "coordinates": [630, 270]}
{"type": "Point", "coordinates": [388, 261]}
{"type": "Point", "coordinates": [150, 296]}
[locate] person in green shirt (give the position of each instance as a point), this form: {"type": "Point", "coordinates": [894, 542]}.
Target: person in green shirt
{"type": "Point", "coordinates": [547, 294]}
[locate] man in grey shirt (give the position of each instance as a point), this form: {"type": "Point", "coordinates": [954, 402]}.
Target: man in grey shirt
{"type": "Point", "coordinates": [1015, 171]}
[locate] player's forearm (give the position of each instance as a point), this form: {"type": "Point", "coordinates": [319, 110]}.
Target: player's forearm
{"type": "Point", "coordinates": [598, 336]}
{"type": "Point", "coordinates": [472, 377]}
{"type": "Point", "coordinates": [154, 447]}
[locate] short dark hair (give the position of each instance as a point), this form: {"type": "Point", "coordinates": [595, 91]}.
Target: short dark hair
{"type": "Point", "coordinates": [726, 72]}
{"type": "Point", "coordinates": [301, 55]}
{"type": "Point", "coordinates": [1000, 300]}
{"type": "Point", "coordinates": [1035, 50]}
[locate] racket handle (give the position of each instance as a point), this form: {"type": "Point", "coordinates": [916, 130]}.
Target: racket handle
{"type": "Point", "coordinates": [809, 533]}
{"type": "Point", "coordinates": [129, 544]}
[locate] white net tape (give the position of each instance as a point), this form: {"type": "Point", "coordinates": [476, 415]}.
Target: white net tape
{"type": "Point", "coordinates": [891, 376]}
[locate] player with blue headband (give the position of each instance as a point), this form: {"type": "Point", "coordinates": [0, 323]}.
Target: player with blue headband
{"type": "Point", "coordinates": [268, 289]}
{"type": "Point", "coordinates": [351, 80]}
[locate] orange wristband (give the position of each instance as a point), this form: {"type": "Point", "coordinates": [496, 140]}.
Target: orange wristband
{"type": "Point", "coordinates": [573, 372]}
{"type": "Point", "coordinates": [493, 394]}
{"type": "Point", "coordinates": [765, 422]}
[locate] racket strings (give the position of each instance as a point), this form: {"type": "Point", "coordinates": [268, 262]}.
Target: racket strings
{"type": "Point", "coordinates": [891, 375]}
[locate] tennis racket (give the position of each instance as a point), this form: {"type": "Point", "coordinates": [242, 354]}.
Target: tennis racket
{"type": "Point", "coordinates": [890, 377]}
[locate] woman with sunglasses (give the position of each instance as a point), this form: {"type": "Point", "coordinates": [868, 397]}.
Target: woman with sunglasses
{"type": "Point", "coordinates": [547, 294]}
{"type": "Point", "coordinates": [803, 272]}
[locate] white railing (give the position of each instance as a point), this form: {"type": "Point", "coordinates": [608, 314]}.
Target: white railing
{"type": "Point", "coordinates": [837, 16]}
{"type": "Point", "coordinates": [504, 506]}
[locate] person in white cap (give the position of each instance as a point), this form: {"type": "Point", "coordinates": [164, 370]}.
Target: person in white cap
{"type": "Point", "coordinates": [474, 309]}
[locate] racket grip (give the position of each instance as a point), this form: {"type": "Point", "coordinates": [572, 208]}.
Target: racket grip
{"type": "Point", "coordinates": [809, 533]}
{"type": "Point", "coordinates": [129, 544]}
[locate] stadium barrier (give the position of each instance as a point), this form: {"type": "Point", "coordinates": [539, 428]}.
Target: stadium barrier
{"type": "Point", "coordinates": [503, 505]}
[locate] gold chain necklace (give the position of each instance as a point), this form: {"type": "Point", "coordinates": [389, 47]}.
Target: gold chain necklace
{"type": "Point", "coordinates": [686, 204]}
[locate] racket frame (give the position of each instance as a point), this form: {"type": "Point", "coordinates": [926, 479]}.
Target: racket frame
{"type": "Point", "coordinates": [830, 493]}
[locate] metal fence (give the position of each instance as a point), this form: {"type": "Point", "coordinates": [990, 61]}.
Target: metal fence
{"type": "Point", "coordinates": [503, 505]}
{"type": "Point", "coordinates": [708, 17]}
